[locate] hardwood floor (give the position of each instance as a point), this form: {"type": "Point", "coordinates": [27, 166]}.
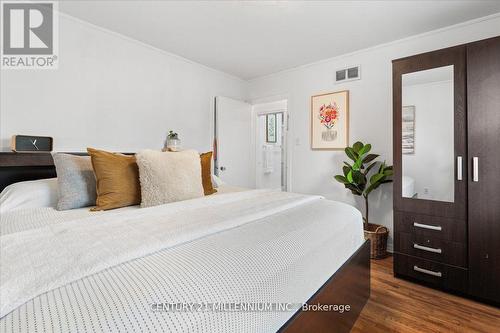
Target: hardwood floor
{"type": "Point", "coordinates": [397, 305]}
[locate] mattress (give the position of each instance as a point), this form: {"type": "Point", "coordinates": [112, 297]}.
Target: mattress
{"type": "Point", "coordinates": [201, 284]}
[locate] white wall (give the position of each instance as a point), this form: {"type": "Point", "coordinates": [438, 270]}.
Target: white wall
{"type": "Point", "coordinates": [432, 166]}
{"type": "Point", "coordinates": [370, 108]}
{"type": "Point", "coordinates": [112, 92]}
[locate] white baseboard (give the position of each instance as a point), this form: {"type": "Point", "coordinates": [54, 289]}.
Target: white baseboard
{"type": "Point", "coordinates": [390, 247]}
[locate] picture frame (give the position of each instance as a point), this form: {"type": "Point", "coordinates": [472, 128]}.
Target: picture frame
{"type": "Point", "coordinates": [330, 121]}
{"type": "Point", "coordinates": [271, 132]}
{"type": "Point", "coordinates": [408, 130]}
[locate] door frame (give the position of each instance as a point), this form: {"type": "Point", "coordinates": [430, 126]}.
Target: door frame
{"type": "Point", "coordinates": [285, 169]}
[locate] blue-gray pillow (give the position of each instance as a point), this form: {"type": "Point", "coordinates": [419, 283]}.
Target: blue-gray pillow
{"type": "Point", "coordinates": [75, 180]}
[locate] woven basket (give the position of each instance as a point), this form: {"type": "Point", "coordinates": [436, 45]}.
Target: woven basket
{"type": "Point", "coordinates": [377, 234]}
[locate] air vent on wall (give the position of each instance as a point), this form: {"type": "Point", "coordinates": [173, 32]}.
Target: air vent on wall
{"type": "Point", "coordinates": [348, 74]}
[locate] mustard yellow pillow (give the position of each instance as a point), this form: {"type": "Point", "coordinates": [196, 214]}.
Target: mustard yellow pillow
{"type": "Point", "coordinates": [206, 173]}
{"type": "Point", "coordinates": [117, 179]}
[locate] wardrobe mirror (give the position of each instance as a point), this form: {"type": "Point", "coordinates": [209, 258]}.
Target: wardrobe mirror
{"type": "Point", "coordinates": [428, 135]}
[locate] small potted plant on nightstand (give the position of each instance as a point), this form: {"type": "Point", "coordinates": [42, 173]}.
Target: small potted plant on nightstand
{"type": "Point", "coordinates": [173, 143]}
{"type": "Point", "coordinates": [361, 177]}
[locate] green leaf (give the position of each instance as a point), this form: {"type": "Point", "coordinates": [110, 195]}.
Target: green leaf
{"type": "Point", "coordinates": [346, 170]}
{"type": "Point", "coordinates": [366, 148]}
{"type": "Point", "coordinates": [341, 179]}
{"type": "Point", "coordinates": [388, 173]}
{"type": "Point", "coordinates": [370, 157]}
{"type": "Point", "coordinates": [376, 177]}
{"type": "Point", "coordinates": [353, 189]}
{"type": "Point", "coordinates": [357, 165]}
{"type": "Point", "coordinates": [371, 188]}
{"type": "Point", "coordinates": [349, 177]}
{"type": "Point", "coordinates": [358, 177]}
{"type": "Point", "coordinates": [351, 153]}
{"type": "Point", "coordinates": [350, 166]}
{"type": "Point", "coordinates": [384, 167]}
{"type": "Point", "coordinates": [357, 146]}
{"type": "Point", "coordinates": [370, 167]}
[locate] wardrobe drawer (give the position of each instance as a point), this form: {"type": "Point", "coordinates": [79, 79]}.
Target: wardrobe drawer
{"type": "Point", "coordinates": [436, 249]}
{"type": "Point", "coordinates": [430, 226]}
{"type": "Point", "coordinates": [430, 272]}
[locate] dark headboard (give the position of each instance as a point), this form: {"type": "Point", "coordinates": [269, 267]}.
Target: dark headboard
{"type": "Point", "coordinates": [18, 167]}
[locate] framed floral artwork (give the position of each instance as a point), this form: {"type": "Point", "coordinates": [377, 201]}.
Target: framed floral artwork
{"type": "Point", "coordinates": [330, 121]}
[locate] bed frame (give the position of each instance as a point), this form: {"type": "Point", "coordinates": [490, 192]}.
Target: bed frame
{"type": "Point", "coordinates": [350, 285]}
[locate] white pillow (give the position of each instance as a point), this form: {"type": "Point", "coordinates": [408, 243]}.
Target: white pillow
{"type": "Point", "coordinates": [169, 176]}
{"type": "Point", "coordinates": [29, 194]}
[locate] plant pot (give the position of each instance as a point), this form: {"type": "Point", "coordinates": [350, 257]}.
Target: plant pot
{"type": "Point", "coordinates": [172, 144]}
{"type": "Point", "coordinates": [377, 234]}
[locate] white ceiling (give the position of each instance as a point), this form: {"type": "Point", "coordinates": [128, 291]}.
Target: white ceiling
{"type": "Point", "coordinates": [254, 38]}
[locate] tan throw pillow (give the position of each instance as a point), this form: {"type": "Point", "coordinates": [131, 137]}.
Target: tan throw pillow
{"type": "Point", "coordinates": [117, 180]}
{"type": "Point", "coordinates": [206, 173]}
{"type": "Point", "coordinates": [169, 176]}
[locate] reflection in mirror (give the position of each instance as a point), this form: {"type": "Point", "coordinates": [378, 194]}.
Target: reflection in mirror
{"type": "Point", "coordinates": [428, 135]}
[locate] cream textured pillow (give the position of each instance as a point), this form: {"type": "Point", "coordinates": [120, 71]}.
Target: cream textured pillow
{"type": "Point", "coordinates": [169, 176]}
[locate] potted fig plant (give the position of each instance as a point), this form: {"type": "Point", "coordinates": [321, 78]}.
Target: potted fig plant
{"type": "Point", "coordinates": [362, 176]}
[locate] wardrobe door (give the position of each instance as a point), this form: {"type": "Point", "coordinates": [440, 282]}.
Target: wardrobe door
{"type": "Point", "coordinates": [429, 137]}
{"type": "Point", "coordinates": [483, 117]}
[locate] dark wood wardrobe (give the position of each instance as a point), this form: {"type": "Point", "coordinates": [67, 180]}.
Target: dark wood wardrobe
{"type": "Point", "coordinates": [446, 145]}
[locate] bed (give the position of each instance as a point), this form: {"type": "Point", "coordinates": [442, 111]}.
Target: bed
{"type": "Point", "coordinates": [238, 261]}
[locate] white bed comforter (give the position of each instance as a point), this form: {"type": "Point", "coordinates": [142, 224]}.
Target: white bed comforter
{"type": "Point", "coordinates": [39, 260]}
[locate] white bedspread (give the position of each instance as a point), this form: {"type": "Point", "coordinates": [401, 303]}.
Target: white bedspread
{"type": "Point", "coordinates": [57, 255]}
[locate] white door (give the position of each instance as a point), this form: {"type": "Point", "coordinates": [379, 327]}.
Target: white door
{"type": "Point", "coordinates": [233, 132]}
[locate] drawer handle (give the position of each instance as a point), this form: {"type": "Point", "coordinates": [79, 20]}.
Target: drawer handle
{"type": "Point", "coordinates": [426, 226]}
{"type": "Point", "coordinates": [426, 248]}
{"type": "Point", "coordinates": [426, 271]}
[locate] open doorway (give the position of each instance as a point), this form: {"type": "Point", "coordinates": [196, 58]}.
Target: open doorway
{"type": "Point", "coordinates": [271, 125]}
